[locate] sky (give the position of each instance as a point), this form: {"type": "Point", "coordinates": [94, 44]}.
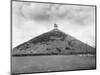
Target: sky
{"type": "Point", "coordinates": [31, 19]}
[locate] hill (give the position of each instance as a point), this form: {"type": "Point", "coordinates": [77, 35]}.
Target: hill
{"type": "Point", "coordinates": [53, 42]}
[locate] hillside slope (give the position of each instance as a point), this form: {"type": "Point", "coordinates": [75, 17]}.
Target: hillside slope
{"type": "Point", "coordinates": [53, 42]}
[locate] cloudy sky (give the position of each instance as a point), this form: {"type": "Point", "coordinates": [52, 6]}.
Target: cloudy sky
{"type": "Point", "coordinates": [32, 19]}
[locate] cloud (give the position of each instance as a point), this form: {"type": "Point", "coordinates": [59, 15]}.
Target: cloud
{"type": "Point", "coordinates": [35, 12]}
{"type": "Point", "coordinates": [81, 15]}
{"type": "Point", "coordinates": [78, 15]}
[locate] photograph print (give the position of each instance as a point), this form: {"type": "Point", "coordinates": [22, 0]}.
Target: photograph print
{"type": "Point", "coordinates": [52, 37]}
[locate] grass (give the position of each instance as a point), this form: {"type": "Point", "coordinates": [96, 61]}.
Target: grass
{"type": "Point", "coordinates": [32, 64]}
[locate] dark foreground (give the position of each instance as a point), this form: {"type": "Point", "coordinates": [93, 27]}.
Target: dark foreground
{"type": "Point", "coordinates": [34, 64]}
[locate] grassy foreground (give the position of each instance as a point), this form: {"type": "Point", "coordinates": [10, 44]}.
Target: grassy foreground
{"type": "Point", "coordinates": [32, 64]}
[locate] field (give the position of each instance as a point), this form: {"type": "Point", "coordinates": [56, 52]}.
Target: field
{"type": "Point", "coordinates": [32, 64]}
